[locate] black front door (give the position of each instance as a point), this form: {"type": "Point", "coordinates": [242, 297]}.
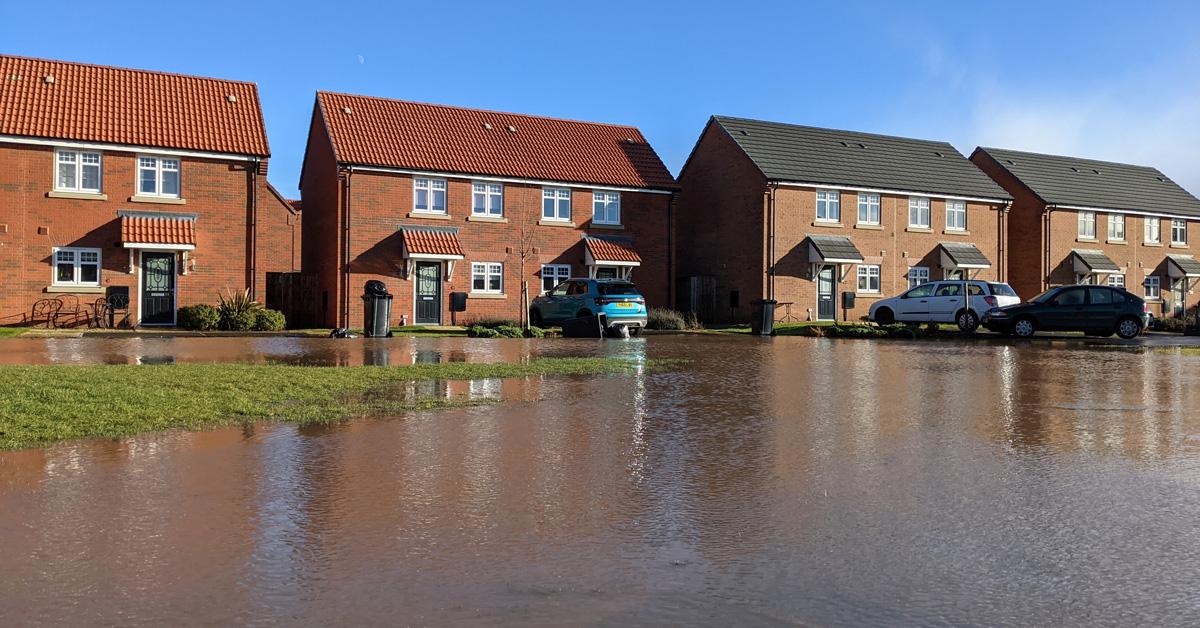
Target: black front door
{"type": "Point", "coordinates": [429, 293]}
{"type": "Point", "coordinates": [826, 307]}
{"type": "Point", "coordinates": [158, 288]}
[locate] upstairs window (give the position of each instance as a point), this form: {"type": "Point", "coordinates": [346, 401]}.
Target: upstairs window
{"type": "Point", "coordinates": [77, 171]}
{"type": "Point", "coordinates": [1116, 227]}
{"type": "Point", "coordinates": [606, 208]}
{"type": "Point", "coordinates": [556, 204]}
{"type": "Point", "coordinates": [429, 195]}
{"type": "Point", "coordinates": [76, 267]}
{"type": "Point", "coordinates": [1087, 225]}
{"type": "Point", "coordinates": [158, 176]}
{"type": "Point", "coordinates": [1178, 232]}
{"type": "Point", "coordinates": [868, 209]}
{"type": "Point", "coordinates": [956, 215]}
{"type": "Point", "coordinates": [918, 212]}
{"type": "Point", "coordinates": [1153, 231]}
{"type": "Point", "coordinates": [487, 199]}
{"type": "Point", "coordinates": [829, 206]}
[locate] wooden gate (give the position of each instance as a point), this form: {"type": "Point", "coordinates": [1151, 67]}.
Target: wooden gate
{"type": "Point", "coordinates": [294, 294]}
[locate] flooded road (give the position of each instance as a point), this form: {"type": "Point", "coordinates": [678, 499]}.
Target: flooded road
{"type": "Point", "coordinates": [768, 481]}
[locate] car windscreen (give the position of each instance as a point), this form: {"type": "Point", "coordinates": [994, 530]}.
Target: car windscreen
{"type": "Point", "coordinates": [617, 288]}
{"type": "Point", "coordinates": [1002, 290]}
{"type": "Point", "coordinates": [1045, 296]}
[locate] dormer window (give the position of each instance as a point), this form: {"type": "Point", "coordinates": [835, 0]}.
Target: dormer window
{"type": "Point", "coordinates": [77, 171]}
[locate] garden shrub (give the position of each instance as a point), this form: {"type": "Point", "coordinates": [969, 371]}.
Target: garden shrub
{"type": "Point", "coordinates": [266, 319]}
{"type": "Point", "coordinates": [240, 321]}
{"type": "Point", "coordinates": [671, 320]}
{"type": "Point", "coordinates": [535, 332]}
{"type": "Point", "coordinates": [479, 331]}
{"type": "Point", "coordinates": [510, 331]}
{"type": "Point", "coordinates": [495, 322]}
{"type": "Point", "coordinates": [199, 317]}
{"type": "Point", "coordinates": [238, 311]}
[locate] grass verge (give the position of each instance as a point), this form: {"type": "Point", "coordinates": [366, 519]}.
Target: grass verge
{"type": "Point", "coordinates": [9, 332]}
{"type": "Point", "coordinates": [43, 404]}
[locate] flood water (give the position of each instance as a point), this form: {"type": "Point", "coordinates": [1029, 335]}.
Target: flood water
{"type": "Point", "coordinates": [767, 481]}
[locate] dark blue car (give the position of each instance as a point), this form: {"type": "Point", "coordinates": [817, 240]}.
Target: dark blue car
{"type": "Point", "coordinates": [617, 300]}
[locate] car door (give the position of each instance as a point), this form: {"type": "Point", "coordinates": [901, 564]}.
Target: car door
{"type": "Point", "coordinates": [913, 306]}
{"type": "Point", "coordinates": [1103, 308]}
{"type": "Point", "coordinates": [576, 299]}
{"type": "Point", "coordinates": [552, 304]}
{"type": "Point", "coordinates": [947, 299]}
{"type": "Point", "coordinates": [1066, 311]}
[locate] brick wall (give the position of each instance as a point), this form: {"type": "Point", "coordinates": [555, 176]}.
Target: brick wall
{"type": "Point", "coordinates": [217, 191]}
{"type": "Point", "coordinates": [1026, 259]}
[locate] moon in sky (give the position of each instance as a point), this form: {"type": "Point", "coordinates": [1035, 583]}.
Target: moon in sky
{"type": "Point", "coordinates": [361, 59]}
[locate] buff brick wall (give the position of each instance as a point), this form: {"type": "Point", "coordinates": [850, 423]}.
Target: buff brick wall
{"type": "Point", "coordinates": [217, 191]}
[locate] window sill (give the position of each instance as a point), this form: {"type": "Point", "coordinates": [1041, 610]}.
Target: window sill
{"type": "Point", "coordinates": [825, 223]}
{"type": "Point", "coordinates": [76, 289]}
{"type": "Point", "coordinates": [1157, 245]}
{"type": "Point", "coordinates": [956, 232]}
{"type": "Point", "coordinates": [604, 225]}
{"type": "Point", "coordinates": [869, 226]}
{"type": "Point", "coordinates": [1179, 246]}
{"type": "Point", "coordinates": [497, 219]}
{"type": "Point", "coordinates": [486, 295]}
{"type": "Point", "coordinates": [868, 295]}
{"type": "Point", "coordinates": [1092, 240]}
{"type": "Point", "coordinates": [556, 223]}
{"type": "Point", "coordinates": [1121, 242]}
{"type": "Point", "coordinates": [162, 200]}
{"type": "Point", "coordinates": [918, 230]}
{"type": "Point", "coordinates": [427, 215]}
{"type": "Point", "coordinates": [82, 196]}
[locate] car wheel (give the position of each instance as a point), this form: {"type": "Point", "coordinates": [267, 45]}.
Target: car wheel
{"type": "Point", "coordinates": [1128, 327]}
{"type": "Point", "coordinates": [535, 318]}
{"type": "Point", "coordinates": [1024, 327]}
{"type": "Point", "coordinates": [885, 316]}
{"type": "Point", "coordinates": [967, 321]}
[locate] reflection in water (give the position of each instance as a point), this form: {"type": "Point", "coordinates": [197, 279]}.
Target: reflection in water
{"type": "Point", "coordinates": [786, 480]}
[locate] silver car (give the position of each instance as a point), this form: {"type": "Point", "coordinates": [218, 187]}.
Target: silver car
{"type": "Point", "coordinates": [943, 302]}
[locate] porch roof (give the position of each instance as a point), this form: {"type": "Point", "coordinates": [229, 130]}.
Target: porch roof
{"type": "Point", "coordinates": [610, 250]}
{"type": "Point", "coordinates": [835, 249]}
{"type": "Point", "coordinates": [420, 241]}
{"type": "Point", "coordinates": [963, 255]}
{"type": "Point", "coordinates": [1183, 266]}
{"type": "Point", "coordinates": [1093, 261]}
{"type": "Point", "coordinates": [150, 229]}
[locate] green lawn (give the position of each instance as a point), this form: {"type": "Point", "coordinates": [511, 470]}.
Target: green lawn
{"type": "Point", "coordinates": [44, 404]}
{"type": "Point", "coordinates": [8, 332]}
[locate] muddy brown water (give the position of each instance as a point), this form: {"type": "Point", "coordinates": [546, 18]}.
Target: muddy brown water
{"type": "Point", "coordinates": [769, 481]}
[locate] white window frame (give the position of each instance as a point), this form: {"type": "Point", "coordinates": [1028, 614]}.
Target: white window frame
{"type": "Point", "coordinates": [430, 186]}
{"type": "Point", "coordinates": [1180, 225]}
{"type": "Point", "coordinates": [77, 261]}
{"type": "Point", "coordinates": [159, 168]}
{"type": "Point", "coordinates": [829, 206]}
{"type": "Point", "coordinates": [960, 210]}
{"type": "Point", "coordinates": [488, 271]}
{"type": "Point", "coordinates": [1152, 287]}
{"type": "Point", "coordinates": [560, 273]}
{"type": "Point", "coordinates": [865, 272]}
{"type": "Point", "coordinates": [917, 275]}
{"type": "Point", "coordinates": [610, 214]}
{"type": "Point", "coordinates": [1116, 227]}
{"type": "Point", "coordinates": [78, 166]}
{"type": "Point", "coordinates": [559, 198]}
{"type": "Point", "coordinates": [1115, 280]}
{"type": "Point", "coordinates": [868, 202]}
{"type": "Point", "coordinates": [918, 211]}
{"type": "Point", "coordinates": [1152, 236]}
{"type": "Point", "coordinates": [1086, 225]}
{"type": "Point", "coordinates": [493, 199]}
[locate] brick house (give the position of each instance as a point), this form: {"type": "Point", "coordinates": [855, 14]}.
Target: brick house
{"type": "Point", "coordinates": [433, 199]}
{"type": "Point", "coordinates": [1086, 221]}
{"type": "Point", "coordinates": [118, 179]}
{"type": "Point", "coordinates": [803, 215]}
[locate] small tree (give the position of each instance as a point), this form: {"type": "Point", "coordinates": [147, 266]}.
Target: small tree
{"type": "Point", "coordinates": [526, 250]}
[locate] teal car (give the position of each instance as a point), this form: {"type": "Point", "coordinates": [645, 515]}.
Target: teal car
{"type": "Point", "coordinates": [618, 301]}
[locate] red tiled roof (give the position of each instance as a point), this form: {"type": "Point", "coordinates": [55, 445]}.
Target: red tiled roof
{"type": "Point", "coordinates": [432, 241]}
{"type": "Point", "coordinates": [92, 103]}
{"type": "Point", "coordinates": [604, 250]}
{"type": "Point", "coordinates": [158, 230]}
{"type": "Point", "coordinates": [400, 134]}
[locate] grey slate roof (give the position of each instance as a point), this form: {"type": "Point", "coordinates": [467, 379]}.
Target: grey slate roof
{"type": "Point", "coordinates": [1186, 263]}
{"type": "Point", "coordinates": [1096, 260]}
{"type": "Point", "coordinates": [835, 247]}
{"type": "Point", "coordinates": [965, 254]}
{"type": "Point", "coordinates": [802, 154]}
{"type": "Point", "coordinates": [1062, 180]}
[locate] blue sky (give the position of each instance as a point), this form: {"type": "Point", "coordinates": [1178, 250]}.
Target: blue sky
{"type": "Point", "coordinates": [1108, 80]}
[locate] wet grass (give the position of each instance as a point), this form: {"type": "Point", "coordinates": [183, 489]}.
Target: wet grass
{"type": "Point", "coordinates": [44, 404]}
{"type": "Point", "coordinates": [9, 332]}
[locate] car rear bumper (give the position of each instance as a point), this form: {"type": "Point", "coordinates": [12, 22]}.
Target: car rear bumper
{"type": "Point", "coordinates": [620, 318]}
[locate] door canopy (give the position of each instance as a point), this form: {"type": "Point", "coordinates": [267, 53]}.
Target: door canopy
{"type": "Point", "coordinates": [610, 251]}
{"type": "Point", "coordinates": [158, 230]}
{"type": "Point", "coordinates": [419, 242]}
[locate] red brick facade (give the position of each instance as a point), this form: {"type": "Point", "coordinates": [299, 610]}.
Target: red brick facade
{"type": "Point", "coordinates": [224, 195]}
{"type": "Point", "coordinates": [366, 208]}
{"type": "Point", "coordinates": [725, 227]}
{"type": "Point", "coordinates": [1041, 240]}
